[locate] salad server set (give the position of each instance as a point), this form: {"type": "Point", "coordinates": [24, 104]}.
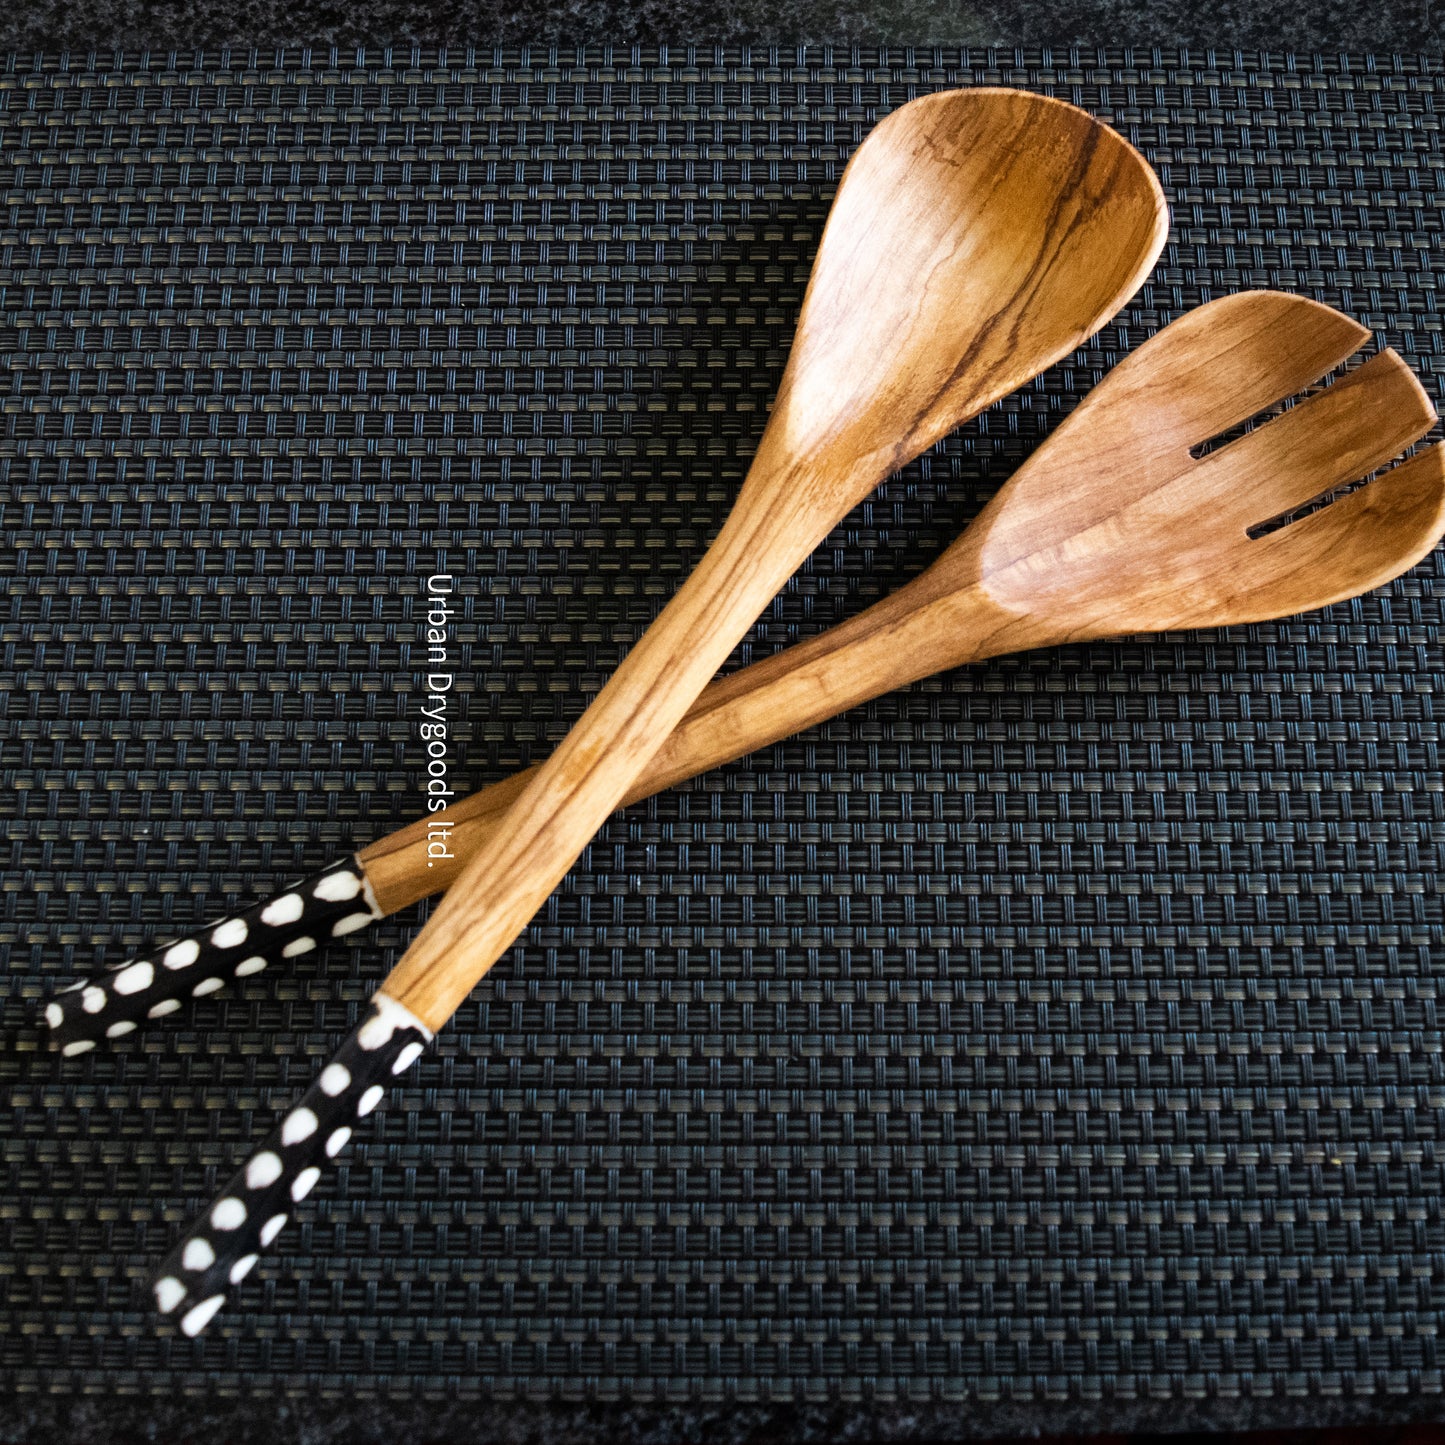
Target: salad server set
{"type": "Point", "coordinates": [978, 236]}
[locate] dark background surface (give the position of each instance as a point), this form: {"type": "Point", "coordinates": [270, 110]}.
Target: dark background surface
{"type": "Point", "coordinates": [220, 695]}
{"type": "Point", "coordinates": [1315, 25]}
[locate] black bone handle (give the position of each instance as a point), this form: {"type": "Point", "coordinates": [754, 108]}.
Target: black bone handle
{"type": "Point", "coordinates": [336, 901]}
{"type": "Point", "coordinates": [222, 1247]}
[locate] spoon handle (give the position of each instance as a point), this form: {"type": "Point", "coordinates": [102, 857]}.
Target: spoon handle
{"type": "Point", "coordinates": [222, 1247]}
{"type": "Point", "coordinates": [930, 624]}
{"type": "Point", "coordinates": [771, 530]}
{"type": "Point", "coordinates": [336, 901]}
{"type": "Point", "coordinates": [934, 622]}
{"type": "Point", "coordinates": [514, 870]}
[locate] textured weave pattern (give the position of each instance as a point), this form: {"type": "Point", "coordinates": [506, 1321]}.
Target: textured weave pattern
{"type": "Point", "coordinates": [1065, 1028]}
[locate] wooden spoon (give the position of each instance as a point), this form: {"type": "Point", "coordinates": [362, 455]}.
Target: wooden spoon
{"type": "Point", "coordinates": [1113, 526]}
{"type": "Point", "coordinates": [977, 236]}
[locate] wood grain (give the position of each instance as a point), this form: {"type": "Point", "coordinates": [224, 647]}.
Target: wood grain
{"type": "Point", "coordinates": [976, 237]}
{"type": "Point", "coordinates": [1055, 557]}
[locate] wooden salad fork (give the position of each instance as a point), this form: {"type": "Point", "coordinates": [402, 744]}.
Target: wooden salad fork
{"type": "Point", "coordinates": [1115, 525]}
{"type": "Point", "coordinates": [977, 236]}
{"type": "Point", "coordinates": [751, 708]}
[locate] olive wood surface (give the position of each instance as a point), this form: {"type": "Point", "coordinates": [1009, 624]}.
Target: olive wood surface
{"type": "Point", "coordinates": [1118, 471]}
{"type": "Point", "coordinates": [977, 237]}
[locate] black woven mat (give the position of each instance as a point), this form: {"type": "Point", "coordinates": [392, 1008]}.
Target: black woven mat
{"type": "Point", "coordinates": [1055, 1041]}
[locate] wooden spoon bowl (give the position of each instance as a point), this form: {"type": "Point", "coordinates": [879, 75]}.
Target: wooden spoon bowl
{"type": "Point", "coordinates": [973, 232]}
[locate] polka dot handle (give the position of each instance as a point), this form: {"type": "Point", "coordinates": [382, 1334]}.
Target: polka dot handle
{"type": "Point", "coordinates": [336, 901]}
{"type": "Point", "coordinates": [222, 1247]}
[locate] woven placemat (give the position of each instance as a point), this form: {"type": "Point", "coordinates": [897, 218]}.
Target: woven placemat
{"type": "Point", "coordinates": [1061, 1034]}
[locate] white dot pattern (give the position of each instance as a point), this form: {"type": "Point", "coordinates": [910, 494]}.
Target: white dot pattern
{"type": "Point", "coordinates": [135, 979]}
{"type": "Point", "coordinates": [152, 987]}
{"type": "Point", "coordinates": [230, 1213]}
{"type": "Point", "coordinates": [285, 909]}
{"type": "Point", "coordinates": [300, 1124]}
{"type": "Point", "coordinates": [264, 1169]}
{"type": "Point", "coordinates": [197, 1319]}
{"type": "Point", "coordinates": [230, 934]}
{"type": "Point", "coordinates": [169, 1293]}
{"type": "Point", "coordinates": [198, 1255]}
{"type": "Point", "coordinates": [183, 954]}
{"type": "Point", "coordinates": [407, 1057]}
{"type": "Point", "coordinates": [305, 1183]}
{"type": "Point", "coordinates": [243, 1267]}
{"type": "Point", "coordinates": [337, 888]}
{"type": "Point", "coordinates": [222, 1250]}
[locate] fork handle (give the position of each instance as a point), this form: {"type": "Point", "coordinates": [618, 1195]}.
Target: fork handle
{"type": "Point", "coordinates": [222, 1246]}
{"type": "Point", "coordinates": [335, 901]}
